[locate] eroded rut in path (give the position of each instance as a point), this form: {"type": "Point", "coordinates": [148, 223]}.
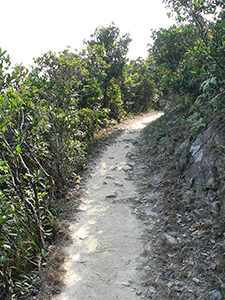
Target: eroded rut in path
{"type": "Point", "coordinates": [102, 263]}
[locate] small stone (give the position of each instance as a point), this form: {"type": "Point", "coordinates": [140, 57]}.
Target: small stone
{"type": "Point", "coordinates": [112, 194]}
{"type": "Point", "coordinates": [118, 183]}
{"type": "Point", "coordinates": [138, 293]}
{"type": "Point", "coordinates": [109, 177]}
{"type": "Point", "coordinates": [129, 154]}
{"type": "Point", "coordinates": [137, 200]}
{"type": "Point", "coordinates": [213, 265]}
{"type": "Point", "coordinates": [152, 290]}
{"type": "Point", "coordinates": [131, 164]}
{"type": "Point", "coordinates": [196, 280]}
{"type": "Point", "coordinates": [150, 213]}
{"type": "Point", "coordinates": [105, 183]}
{"type": "Point", "coordinates": [127, 168]}
{"type": "Point", "coordinates": [125, 284]}
{"type": "Point", "coordinates": [113, 168]}
{"type": "Point", "coordinates": [169, 239]}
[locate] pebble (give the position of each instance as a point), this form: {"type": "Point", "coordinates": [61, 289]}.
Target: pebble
{"type": "Point", "coordinates": [131, 164]}
{"type": "Point", "coordinates": [125, 284]}
{"type": "Point", "coordinates": [196, 280]}
{"type": "Point", "coordinates": [112, 194]}
{"type": "Point", "coordinates": [113, 168]}
{"type": "Point", "coordinates": [169, 239]}
{"type": "Point", "coordinates": [118, 183]}
{"type": "Point", "coordinates": [138, 293]}
{"type": "Point", "coordinates": [152, 290]}
{"type": "Point", "coordinates": [127, 168]}
{"type": "Point", "coordinates": [150, 213]}
{"type": "Point", "coordinates": [109, 177]}
{"type": "Point", "coordinates": [147, 198]}
{"type": "Point", "coordinates": [131, 155]}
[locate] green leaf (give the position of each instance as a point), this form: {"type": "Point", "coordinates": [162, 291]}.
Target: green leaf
{"type": "Point", "coordinates": [18, 150]}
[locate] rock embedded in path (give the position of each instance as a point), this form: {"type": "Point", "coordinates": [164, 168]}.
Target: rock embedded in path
{"type": "Point", "coordinates": [152, 290]}
{"type": "Point", "coordinates": [125, 284]}
{"type": "Point", "coordinates": [127, 168]}
{"type": "Point", "coordinates": [131, 155]}
{"type": "Point", "coordinates": [118, 183]}
{"type": "Point", "coordinates": [111, 194]}
{"type": "Point", "coordinates": [109, 177]}
{"type": "Point", "coordinates": [114, 168]}
{"type": "Point", "coordinates": [138, 293]}
{"type": "Point", "coordinates": [131, 164]}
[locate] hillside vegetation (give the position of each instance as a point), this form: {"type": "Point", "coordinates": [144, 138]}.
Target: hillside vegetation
{"type": "Point", "coordinates": [52, 114]}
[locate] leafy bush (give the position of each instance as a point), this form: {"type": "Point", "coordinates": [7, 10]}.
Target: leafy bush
{"type": "Point", "coordinates": [190, 60]}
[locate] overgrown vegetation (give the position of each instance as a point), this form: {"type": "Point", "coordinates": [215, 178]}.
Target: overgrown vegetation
{"type": "Point", "coordinates": [49, 118]}
{"type": "Point", "coordinates": [190, 62]}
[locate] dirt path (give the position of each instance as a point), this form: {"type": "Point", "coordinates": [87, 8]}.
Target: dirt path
{"type": "Point", "coordinates": [104, 258]}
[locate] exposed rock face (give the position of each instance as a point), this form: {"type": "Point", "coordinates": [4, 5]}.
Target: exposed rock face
{"type": "Point", "coordinates": [203, 161]}
{"type": "Point", "coordinates": [206, 160]}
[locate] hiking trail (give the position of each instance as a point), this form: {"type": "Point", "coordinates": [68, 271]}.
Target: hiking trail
{"type": "Point", "coordinates": [103, 260]}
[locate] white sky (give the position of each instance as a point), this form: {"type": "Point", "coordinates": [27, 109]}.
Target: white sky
{"type": "Point", "coordinates": [30, 28]}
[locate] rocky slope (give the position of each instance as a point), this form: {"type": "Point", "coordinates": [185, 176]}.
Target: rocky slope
{"type": "Point", "coordinates": [181, 185]}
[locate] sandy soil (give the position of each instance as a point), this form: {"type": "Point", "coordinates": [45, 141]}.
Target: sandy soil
{"type": "Point", "coordinates": [103, 261]}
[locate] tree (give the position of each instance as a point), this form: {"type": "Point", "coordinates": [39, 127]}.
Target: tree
{"type": "Point", "coordinates": [195, 11]}
{"type": "Point", "coordinates": [172, 50]}
{"type": "Point", "coordinates": [138, 86]}
{"type": "Point", "coordinates": [107, 51]}
{"type": "Point", "coordinates": [171, 45]}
